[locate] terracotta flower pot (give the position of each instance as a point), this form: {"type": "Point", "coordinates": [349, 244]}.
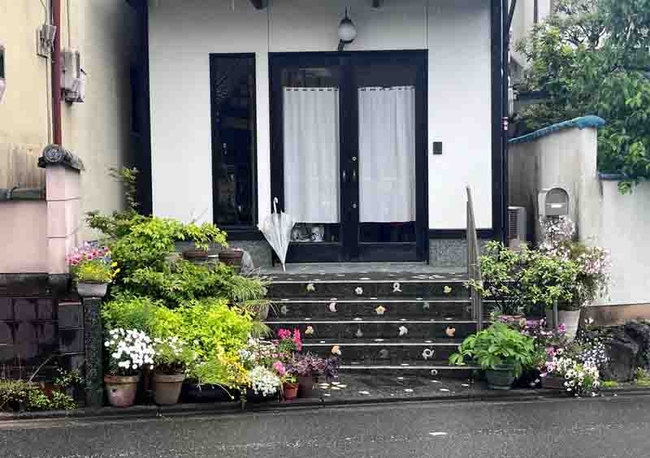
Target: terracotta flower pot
{"type": "Point", "coordinates": [232, 258]}
{"type": "Point", "coordinates": [88, 289]}
{"type": "Point", "coordinates": [290, 391]}
{"type": "Point", "coordinates": [306, 384]}
{"type": "Point", "coordinates": [167, 388]}
{"type": "Point", "coordinates": [121, 390]}
{"type": "Point", "coordinates": [198, 256]}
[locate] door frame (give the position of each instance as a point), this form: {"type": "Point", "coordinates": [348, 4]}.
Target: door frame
{"type": "Point", "coordinates": [350, 248]}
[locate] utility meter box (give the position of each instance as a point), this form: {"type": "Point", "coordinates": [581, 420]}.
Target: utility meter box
{"type": "Point", "coordinates": [553, 203]}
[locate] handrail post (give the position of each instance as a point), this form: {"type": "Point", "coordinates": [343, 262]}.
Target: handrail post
{"type": "Point", "coordinates": [473, 266]}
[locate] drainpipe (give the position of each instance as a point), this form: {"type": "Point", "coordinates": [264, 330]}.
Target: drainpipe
{"type": "Point", "coordinates": [56, 72]}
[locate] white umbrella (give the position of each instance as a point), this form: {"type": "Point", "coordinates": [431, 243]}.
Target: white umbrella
{"type": "Point", "coordinates": [277, 231]}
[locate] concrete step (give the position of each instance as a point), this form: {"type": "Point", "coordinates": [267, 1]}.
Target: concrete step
{"type": "Point", "coordinates": [334, 290]}
{"type": "Point", "coordinates": [372, 307]}
{"type": "Point", "coordinates": [384, 328]}
{"type": "Point", "coordinates": [386, 351]}
{"type": "Point", "coordinates": [411, 369]}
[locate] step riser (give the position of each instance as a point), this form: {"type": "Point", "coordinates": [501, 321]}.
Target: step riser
{"type": "Point", "coordinates": [440, 373]}
{"type": "Point", "coordinates": [387, 355]}
{"type": "Point", "coordinates": [425, 290]}
{"type": "Point", "coordinates": [372, 330]}
{"type": "Point", "coordinates": [395, 310]}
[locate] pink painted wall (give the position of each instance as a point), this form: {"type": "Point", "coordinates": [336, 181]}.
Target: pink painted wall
{"type": "Point", "coordinates": [23, 236]}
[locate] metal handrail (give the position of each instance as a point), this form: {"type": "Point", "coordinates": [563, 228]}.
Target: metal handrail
{"type": "Point", "coordinates": [473, 263]}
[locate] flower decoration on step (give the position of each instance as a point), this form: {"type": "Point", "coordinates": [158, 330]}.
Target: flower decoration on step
{"type": "Point", "coordinates": [426, 306]}
{"type": "Point", "coordinates": [336, 350]}
{"type": "Point", "coordinates": [309, 331]}
{"type": "Point", "coordinates": [403, 330]}
{"type": "Point", "coordinates": [358, 291]}
{"type": "Point", "coordinates": [397, 288]}
{"type": "Point", "coordinates": [332, 307]}
{"type": "Point", "coordinates": [447, 289]}
{"type": "Point", "coordinates": [359, 333]}
{"type": "Point", "coordinates": [428, 353]}
{"type": "Point", "coordinates": [384, 354]}
{"type": "Point", "coordinates": [311, 288]}
{"type": "Point", "coordinates": [451, 332]}
{"type": "Point", "coordinates": [284, 310]}
{"type": "Point", "coordinates": [380, 310]}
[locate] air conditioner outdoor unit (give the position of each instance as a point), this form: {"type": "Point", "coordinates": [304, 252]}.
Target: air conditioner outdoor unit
{"type": "Point", "coordinates": [517, 224]}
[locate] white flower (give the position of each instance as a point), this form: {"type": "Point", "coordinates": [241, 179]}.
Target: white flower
{"type": "Point", "coordinates": [332, 307]}
{"type": "Point", "coordinates": [397, 287]}
{"type": "Point", "coordinates": [447, 290]}
{"type": "Point", "coordinates": [380, 310]}
{"type": "Point", "coordinates": [309, 331]}
{"type": "Point", "coordinates": [403, 330]}
{"type": "Point", "coordinates": [336, 350]}
{"type": "Point", "coordinates": [358, 290]}
{"type": "Point", "coordinates": [427, 353]}
{"type": "Point", "coordinates": [311, 287]}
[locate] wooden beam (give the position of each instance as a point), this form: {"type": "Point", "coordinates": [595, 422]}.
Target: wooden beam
{"type": "Point", "coordinates": [260, 4]}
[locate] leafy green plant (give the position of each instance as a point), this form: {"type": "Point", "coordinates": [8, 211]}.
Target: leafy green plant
{"type": "Point", "coordinates": [591, 57]}
{"type": "Point", "coordinates": [519, 281]}
{"type": "Point", "coordinates": [609, 384]}
{"type": "Point", "coordinates": [172, 355]}
{"type": "Point", "coordinates": [127, 311]}
{"type": "Point", "coordinates": [497, 346]}
{"type": "Point", "coordinates": [21, 394]}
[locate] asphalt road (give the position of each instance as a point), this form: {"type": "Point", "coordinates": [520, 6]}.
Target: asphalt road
{"type": "Point", "coordinates": [613, 427]}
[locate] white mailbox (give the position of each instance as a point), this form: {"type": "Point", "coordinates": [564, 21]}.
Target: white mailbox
{"type": "Point", "coordinates": [553, 203]}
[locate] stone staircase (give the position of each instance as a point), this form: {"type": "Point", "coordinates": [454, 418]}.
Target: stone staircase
{"type": "Point", "coordinates": [383, 323]}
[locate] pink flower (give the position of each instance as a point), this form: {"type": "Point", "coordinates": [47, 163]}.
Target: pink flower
{"type": "Point", "coordinates": [297, 340]}
{"type": "Point", "coordinates": [279, 368]}
{"type": "Point", "coordinates": [284, 334]}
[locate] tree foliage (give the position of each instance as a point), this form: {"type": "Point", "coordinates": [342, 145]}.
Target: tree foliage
{"type": "Point", "coordinates": [593, 57]}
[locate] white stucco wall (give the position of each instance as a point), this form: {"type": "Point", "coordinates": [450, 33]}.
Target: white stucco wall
{"type": "Point", "coordinates": [183, 34]}
{"type": "Point", "coordinates": [604, 217]}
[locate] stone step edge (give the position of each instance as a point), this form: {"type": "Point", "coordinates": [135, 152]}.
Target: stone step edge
{"type": "Point", "coordinates": [438, 300]}
{"type": "Point", "coordinates": [382, 344]}
{"type": "Point", "coordinates": [389, 281]}
{"type": "Point", "coordinates": [412, 322]}
{"type": "Point", "coordinates": [392, 367]}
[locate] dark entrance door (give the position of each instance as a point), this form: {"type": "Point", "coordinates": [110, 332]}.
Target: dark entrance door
{"type": "Point", "coordinates": [349, 145]}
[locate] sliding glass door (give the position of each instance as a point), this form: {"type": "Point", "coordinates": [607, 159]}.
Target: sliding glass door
{"type": "Point", "coordinates": [349, 153]}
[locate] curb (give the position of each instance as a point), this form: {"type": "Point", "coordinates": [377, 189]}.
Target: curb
{"type": "Point", "coordinates": [153, 411]}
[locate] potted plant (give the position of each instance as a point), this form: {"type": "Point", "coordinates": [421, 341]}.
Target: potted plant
{"type": "Point", "coordinates": [232, 257]}
{"type": "Point", "coordinates": [92, 268]}
{"type": "Point", "coordinates": [307, 367]}
{"type": "Point", "coordinates": [129, 351]}
{"type": "Point", "coordinates": [264, 384]}
{"type": "Point", "coordinates": [290, 387]}
{"type": "Point", "coordinates": [501, 351]}
{"type": "Point", "coordinates": [171, 359]}
{"type": "Point", "coordinates": [592, 265]}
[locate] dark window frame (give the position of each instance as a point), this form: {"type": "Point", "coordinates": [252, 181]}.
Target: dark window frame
{"type": "Point", "coordinates": [235, 228]}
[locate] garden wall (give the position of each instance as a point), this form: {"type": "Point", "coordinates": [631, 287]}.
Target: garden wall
{"type": "Point", "coordinates": [565, 155]}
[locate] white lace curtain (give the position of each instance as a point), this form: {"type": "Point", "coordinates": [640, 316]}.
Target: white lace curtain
{"type": "Point", "coordinates": [387, 154]}
{"type": "Point", "coordinates": [311, 154]}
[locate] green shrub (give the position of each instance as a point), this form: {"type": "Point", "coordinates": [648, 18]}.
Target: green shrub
{"type": "Point", "coordinates": [496, 346]}
{"type": "Point", "coordinates": [17, 394]}
{"type": "Point", "coordinates": [130, 312]}
{"type": "Point", "coordinates": [609, 384]}
{"type": "Point", "coordinates": [184, 281]}
{"type": "Point", "coordinates": [519, 281]}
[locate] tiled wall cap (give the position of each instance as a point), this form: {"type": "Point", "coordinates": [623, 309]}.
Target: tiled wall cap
{"type": "Point", "coordinates": [57, 155]}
